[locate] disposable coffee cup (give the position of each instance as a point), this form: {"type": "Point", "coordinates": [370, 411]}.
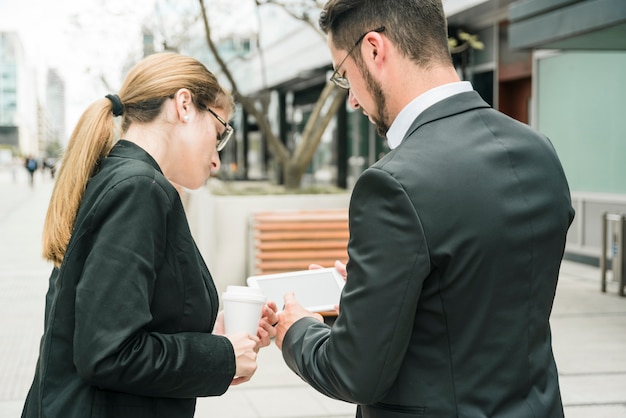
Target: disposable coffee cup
{"type": "Point", "coordinates": [242, 309]}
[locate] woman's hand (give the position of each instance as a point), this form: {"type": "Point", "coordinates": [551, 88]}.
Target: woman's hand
{"type": "Point", "coordinates": [218, 328]}
{"type": "Point", "coordinates": [245, 347]}
{"type": "Point", "coordinates": [266, 329]}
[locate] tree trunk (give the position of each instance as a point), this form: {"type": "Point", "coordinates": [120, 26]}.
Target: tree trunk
{"type": "Point", "coordinates": [292, 173]}
{"type": "Point", "coordinates": [294, 164]}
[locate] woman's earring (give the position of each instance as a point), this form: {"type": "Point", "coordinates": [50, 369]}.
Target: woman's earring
{"type": "Point", "coordinates": [186, 118]}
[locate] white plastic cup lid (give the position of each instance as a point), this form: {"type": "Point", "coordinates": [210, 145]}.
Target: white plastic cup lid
{"type": "Point", "coordinates": [244, 294]}
{"type": "Point", "coordinates": [243, 290]}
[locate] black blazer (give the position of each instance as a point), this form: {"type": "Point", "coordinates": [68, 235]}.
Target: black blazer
{"type": "Point", "coordinates": [129, 314]}
{"type": "Point", "coordinates": [456, 239]}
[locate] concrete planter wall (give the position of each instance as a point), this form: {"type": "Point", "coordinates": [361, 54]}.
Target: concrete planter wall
{"type": "Point", "coordinates": [220, 226]}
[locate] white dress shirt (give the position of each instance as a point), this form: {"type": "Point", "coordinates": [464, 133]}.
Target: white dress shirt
{"type": "Point", "coordinates": [405, 118]}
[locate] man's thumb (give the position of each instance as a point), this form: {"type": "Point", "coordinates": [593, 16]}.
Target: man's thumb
{"type": "Point", "coordinates": [289, 297]}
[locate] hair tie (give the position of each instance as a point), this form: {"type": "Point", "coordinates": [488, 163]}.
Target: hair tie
{"type": "Point", "coordinates": [118, 107]}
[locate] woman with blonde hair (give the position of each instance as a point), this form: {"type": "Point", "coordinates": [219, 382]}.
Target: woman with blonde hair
{"type": "Point", "coordinates": [131, 322]}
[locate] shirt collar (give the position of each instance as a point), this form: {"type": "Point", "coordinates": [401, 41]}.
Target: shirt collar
{"type": "Point", "coordinates": [411, 111]}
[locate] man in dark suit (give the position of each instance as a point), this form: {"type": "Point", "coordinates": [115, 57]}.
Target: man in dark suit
{"type": "Point", "coordinates": [456, 238]}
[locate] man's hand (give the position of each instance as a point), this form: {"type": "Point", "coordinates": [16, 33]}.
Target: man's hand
{"type": "Point", "coordinates": [339, 266]}
{"type": "Point", "coordinates": [341, 269]}
{"type": "Point", "coordinates": [292, 312]}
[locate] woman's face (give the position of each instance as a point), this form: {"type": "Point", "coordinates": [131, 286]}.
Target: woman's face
{"type": "Point", "coordinates": [196, 148]}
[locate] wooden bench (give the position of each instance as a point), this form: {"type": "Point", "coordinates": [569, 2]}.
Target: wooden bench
{"type": "Point", "coordinates": [292, 240]}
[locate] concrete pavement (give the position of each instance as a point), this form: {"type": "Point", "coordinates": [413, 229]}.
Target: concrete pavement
{"type": "Point", "coordinates": [23, 283]}
{"type": "Point", "coordinates": [589, 332]}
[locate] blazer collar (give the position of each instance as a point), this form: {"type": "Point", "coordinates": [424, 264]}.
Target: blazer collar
{"type": "Point", "coordinates": [451, 106]}
{"type": "Point", "coordinates": [126, 149]}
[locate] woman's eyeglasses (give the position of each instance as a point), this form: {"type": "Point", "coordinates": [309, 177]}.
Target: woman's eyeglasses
{"type": "Point", "coordinates": [224, 136]}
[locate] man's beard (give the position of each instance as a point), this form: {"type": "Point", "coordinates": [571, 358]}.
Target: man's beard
{"type": "Point", "coordinates": [380, 118]}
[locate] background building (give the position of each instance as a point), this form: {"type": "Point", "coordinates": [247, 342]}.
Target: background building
{"type": "Point", "coordinates": [556, 65]}
{"type": "Point", "coordinates": [18, 98]}
{"type": "Point", "coordinates": [55, 104]}
{"type": "Point", "coordinates": [29, 125]}
{"type": "Point", "coordinates": [578, 64]}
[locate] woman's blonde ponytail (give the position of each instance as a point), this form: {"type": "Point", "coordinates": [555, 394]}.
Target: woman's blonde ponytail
{"type": "Point", "coordinates": [91, 141]}
{"type": "Point", "coordinates": [151, 82]}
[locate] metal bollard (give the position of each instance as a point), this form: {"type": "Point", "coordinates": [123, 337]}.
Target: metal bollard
{"type": "Point", "coordinates": [618, 255]}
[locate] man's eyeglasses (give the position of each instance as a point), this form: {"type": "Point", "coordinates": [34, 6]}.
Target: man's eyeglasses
{"type": "Point", "coordinates": [340, 80]}
{"type": "Point", "coordinates": [224, 136]}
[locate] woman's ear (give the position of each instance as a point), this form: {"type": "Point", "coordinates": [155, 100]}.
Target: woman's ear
{"type": "Point", "coordinates": [184, 105]}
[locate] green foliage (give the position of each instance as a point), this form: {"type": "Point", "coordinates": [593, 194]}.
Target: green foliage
{"type": "Point", "coordinates": [464, 41]}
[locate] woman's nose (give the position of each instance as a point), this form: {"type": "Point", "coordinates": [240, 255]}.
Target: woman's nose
{"type": "Point", "coordinates": [215, 163]}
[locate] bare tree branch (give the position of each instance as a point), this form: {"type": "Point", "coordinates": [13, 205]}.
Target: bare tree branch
{"type": "Point", "coordinates": [279, 149]}
{"type": "Point", "coordinates": [330, 100]}
{"type": "Point", "coordinates": [215, 52]}
{"type": "Point", "coordinates": [258, 46]}
{"type": "Point", "coordinates": [318, 121]}
{"type": "Point", "coordinates": [184, 23]}
{"type": "Point", "coordinates": [300, 14]}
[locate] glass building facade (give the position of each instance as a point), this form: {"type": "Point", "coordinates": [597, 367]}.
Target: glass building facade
{"type": "Point", "coordinates": [8, 87]}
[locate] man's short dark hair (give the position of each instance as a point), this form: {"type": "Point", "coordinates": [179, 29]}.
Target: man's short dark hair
{"type": "Point", "coordinates": [417, 27]}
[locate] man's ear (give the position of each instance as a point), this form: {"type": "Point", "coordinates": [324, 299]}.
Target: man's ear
{"type": "Point", "coordinates": [373, 49]}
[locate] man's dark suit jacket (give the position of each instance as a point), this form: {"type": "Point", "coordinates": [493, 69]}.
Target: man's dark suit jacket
{"type": "Point", "coordinates": [130, 312]}
{"type": "Point", "coordinates": [456, 239]}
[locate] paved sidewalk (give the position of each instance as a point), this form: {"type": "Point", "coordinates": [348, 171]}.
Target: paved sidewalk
{"type": "Point", "coordinates": [589, 332]}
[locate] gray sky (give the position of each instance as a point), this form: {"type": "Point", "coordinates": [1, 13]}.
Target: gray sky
{"type": "Point", "coordinates": [86, 39]}
{"type": "Point", "coordinates": [80, 38]}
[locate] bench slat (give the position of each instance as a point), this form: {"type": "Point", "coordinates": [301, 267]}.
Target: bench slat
{"type": "Point", "coordinates": [301, 255]}
{"type": "Point", "coordinates": [302, 235]}
{"type": "Point", "coordinates": [292, 240]}
{"type": "Point", "coordinates": [300, 226]}
{"type": "Point", "coordinates": [269, 267]}
{"type": "Point", "coordinates": [266, 245]}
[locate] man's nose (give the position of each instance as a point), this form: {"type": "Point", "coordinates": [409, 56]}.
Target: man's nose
{"type": "Point", "coordinates": [352, 101]}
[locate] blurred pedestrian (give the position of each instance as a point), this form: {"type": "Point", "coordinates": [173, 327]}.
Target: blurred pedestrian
{"type": "Point", "coordinates": [50, 164]}
{"type": "Point", "coordinates": [131, 325]}
{"type": "Point", "coordinates": [30, 163]}
{"type": "Point", "coordinates": [456, 237]}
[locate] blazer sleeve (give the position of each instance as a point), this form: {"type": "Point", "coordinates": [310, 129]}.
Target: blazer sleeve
{"type": "Point", "coordinates": [357, 360]}
{"type": "Point", "coordinates": [112, 349]}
